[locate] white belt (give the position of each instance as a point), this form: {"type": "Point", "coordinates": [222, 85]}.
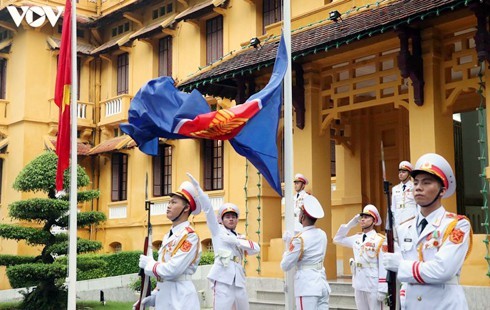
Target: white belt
{"type": "Point", "coordinates": [184, 277]}
{"type": "Point", "coordinates": [317, 266]}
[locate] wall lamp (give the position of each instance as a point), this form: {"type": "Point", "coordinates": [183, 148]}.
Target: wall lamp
{"type": "Point", "coordinates": [255, 42]}
{"type": "Point", "coordinates": [335, 16]}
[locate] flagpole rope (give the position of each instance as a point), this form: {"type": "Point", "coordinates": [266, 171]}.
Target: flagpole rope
{"type": "Point", "coordinates": [482, 143]}
{"type": "Point", "coordinates": [259, 192]}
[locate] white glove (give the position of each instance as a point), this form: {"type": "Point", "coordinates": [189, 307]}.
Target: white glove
{"type": "Point", "coordinates": [391, 261]}
{"type": "Point", "coordinates": [286, 236]}
{"type": "Point", "coordinates": [381, 296]}
{"type": "Point", "coordinates": [201, 196]}
{"type": "Point", "coordinates": [231, 240]}
{"type": "Point", "coordinates": [148, 301]}
{"type": "Point", "coordinates": [352, 264]}
{"type": "Point", "coordinates": [354, 221]}
{"type": "Point", "coordinates": [144, 260]}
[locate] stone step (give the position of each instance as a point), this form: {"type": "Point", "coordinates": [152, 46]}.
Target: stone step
{"type": "Point", "coordinates": [334, 307]}
{"type": "Point", "coordinates": [342, 300]}
{"type": "Point", "coordinates": [266, 305]}
{"type": "Point", "coordinates": [271, 295]}
{"type": "Point", "coordinates": [341, 287]}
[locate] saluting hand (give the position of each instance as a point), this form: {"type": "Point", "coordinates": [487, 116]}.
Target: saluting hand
{"type": "Point", "coordinates": [354, 221]}
{"type": "Point", "coordinates": [202, 197]}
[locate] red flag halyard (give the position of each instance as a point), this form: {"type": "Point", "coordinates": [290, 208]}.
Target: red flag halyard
{"type": "Point", "coordinates": [62, 97]}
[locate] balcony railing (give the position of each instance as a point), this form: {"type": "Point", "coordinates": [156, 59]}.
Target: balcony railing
{"type": "Point", "coordinates": [85, 112]}
{"type": "Point", "coordinates": [114, 110]}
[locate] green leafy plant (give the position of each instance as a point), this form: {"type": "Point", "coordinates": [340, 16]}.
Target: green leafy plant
{"type": "Point", "coordinates": [207, 258]}
{"type": "Point", "coordinates": [36, 219]}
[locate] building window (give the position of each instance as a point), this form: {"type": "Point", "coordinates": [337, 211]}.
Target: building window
{"type": "Point", "coordinates": [213, 164]}
{"type": "Point", "coordinates": [333, 171]}
{"type": "Point", "coordinates": [4, 34]}
{"type": "Point", "coordinates": [116, 247]}
{"type": "Point", "coordinates": [79, 69]}
{"type": "Point", "coordinates": [122, 73]}
{"type": "Point", "coordinates": [165, 56]}
{"type": "Point", "coordinates": [271, 12]}
{"type": "Point", "coordinates": [120, 29]}
{"type": "Point", "coordinates": [214, 39]}
{"type": "Point", "coordinates": [3, 78]}
{"type": "Point", "coordinates": [162, 171]}
{"type": "Point", "coordinates": [166, 8]}
{"type": "Point", "coordinates": [119, 177]}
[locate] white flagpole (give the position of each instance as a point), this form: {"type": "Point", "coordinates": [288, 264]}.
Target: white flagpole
{"type": "Point", "coordinates": [72, 233]}
{"type": "Point", "coordinates": [288, 148]}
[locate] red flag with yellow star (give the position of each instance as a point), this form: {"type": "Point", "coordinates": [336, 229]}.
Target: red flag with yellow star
{"type": "Point", "coordinates": [62, 97]}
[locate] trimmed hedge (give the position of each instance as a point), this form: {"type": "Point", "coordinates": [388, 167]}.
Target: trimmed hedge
{"type": "Point", "coordinates": [94, 266]}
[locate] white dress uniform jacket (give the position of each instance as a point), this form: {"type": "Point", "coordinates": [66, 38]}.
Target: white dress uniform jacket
{"type": "Point", "coordinates": [298, 203]}
{"type": "Point", "coordinates": [178, 259]}
{"type": "Point", "coordinates": [369, 274]}
{"type": "Point", "coordinates": [432, 261]}
{"type": "Point", "coordinates": [403, 203]}
{"type": "Point", "coordinates": [227, 267]}
{"type": "Point", "coordinates": [307, 251]}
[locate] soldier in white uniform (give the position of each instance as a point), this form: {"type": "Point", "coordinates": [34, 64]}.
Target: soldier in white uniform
{"type": "Point", "coordinates": [403, 203]}
{"type": "Point", "coordinates": [306, 251]}
{"type": "Point", "coordinates": [178, 256]}
{"type": "Point", "coordinates": [227, 275]}
{"type": "Point", "coordinates": [368, 272]}
{"type": "Point", "coordinates": [300, 181]}
{"type": "Point", "coordinates": [434, 243]}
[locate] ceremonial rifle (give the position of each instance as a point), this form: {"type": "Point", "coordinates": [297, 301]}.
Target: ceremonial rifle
{"type": "Point", "coordinates": [391, 275]}
{"type": "Point", "coordinates": [145, 289]}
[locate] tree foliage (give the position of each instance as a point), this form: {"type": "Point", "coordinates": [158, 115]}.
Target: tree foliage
{"type": "Point", "coordinates": [38, 216]}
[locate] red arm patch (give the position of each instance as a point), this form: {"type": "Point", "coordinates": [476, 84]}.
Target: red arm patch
{"type": "Point", "coordinates": [186, 246]}
{"type": "Point", "coordinates": [457, 236]}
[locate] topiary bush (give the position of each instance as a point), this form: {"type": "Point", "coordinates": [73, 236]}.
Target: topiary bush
{"type": "Point", "coordinates": [37, 217]}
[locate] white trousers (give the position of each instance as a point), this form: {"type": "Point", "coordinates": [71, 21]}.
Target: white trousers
{"type": "Point", "coordinates": [228, 297]}
{"type": "Point", "coordinates": [313, 302]}
{"type": "Point", "coordinates": [368, 301]}
{"type": "Point", "coordinates": [177, 295]}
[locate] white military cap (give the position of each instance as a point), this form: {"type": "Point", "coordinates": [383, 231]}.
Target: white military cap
{"type": "Point", "coordinates": [225, 208]}
{"type": "Point", "coordinates": [371, 210]}
{"type": "Point", "coordinates": [312, 207]}
{"type": "Point", "coordinates": [300, 178]}
{"type": "Point", "coordinates": [438, 166]}
{"type": "Point", "coordinates": [188, 192]}
{"type": "Point", "coordinates": [405, 165]}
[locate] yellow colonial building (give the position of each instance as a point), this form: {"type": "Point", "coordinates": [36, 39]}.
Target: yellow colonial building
{"type": "Point", "coordinates": [411, 74]}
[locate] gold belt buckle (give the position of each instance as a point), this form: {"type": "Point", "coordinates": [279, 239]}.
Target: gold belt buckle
{"type": "Point", "coordinates": [359, 265]}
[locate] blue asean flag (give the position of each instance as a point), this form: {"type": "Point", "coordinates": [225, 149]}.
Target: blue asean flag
{"type": "Point", "coordinates": [159, 109]}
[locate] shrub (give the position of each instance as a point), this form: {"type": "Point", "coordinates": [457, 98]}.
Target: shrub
{"type": "Point", "coordinates": [207, 258]}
